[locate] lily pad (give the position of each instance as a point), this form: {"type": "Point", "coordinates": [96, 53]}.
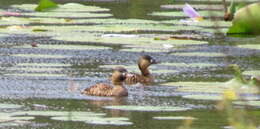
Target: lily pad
{"type": "Point", "coordinates": [204, 23]}
{"type": "Point", "coordinates": [56, 113]}
{"type": "Point", "coordinates": [250, 46]}
{"type": "Point", "coordinates": [195, 6]}
{"type": "Point", "coordinates": [198, 87]}
{"type": "Point", "coordinates": [137, 42]}
{"type": "Point", "coordinates": [220, 0]}
{"type": "Point", "coordinates": [204, 97]}
{"type": "Point", "coordinates": [68, 15]}
{"type": "Point", "coordinates": [181, 14]}
{"type": "Point", "coordinates": [13, 21]}
{"type": "Point", "coordinates": [213, 87]}
{"type": "Point", "coordinates": [134, 68]}
{"type": "Point", "coordinates": [40, 56]}
{"type": "Point", "coordinates": [246, 20]}
{"type": "Point", "coordinates": [199, 65]}
{"type": "Point", "coordinates": [252, 73]}
{"type": "Point", "coordinates": [97, 120]}
{"type": "Point", "coordinates": [143, 50]}
{"type": "Point", "coordinates": [68, 7]}
{"type": "Point", "coordinates": [65, 47]}
{"type": "Point", "coordinates": [37, 69]}
{"type": "Point", "coordinates": [87, 117]}
{"type": "Point", "coordinates": [36, 75]}
{"type": "Point", "coordinates": [7, 119]}
{"type": "Point", "coordinates": [249, 103]}
{"type": "Point", "coordinates": [146, 108]}
{"type": "Point", "coordinates": [43, 65]}
{"type": "Point", "coordinates": [200, 54]}
{"type": "Point", "coordinates": [174, 118]}
{"type": "Point", "coordinates": [9, 106]}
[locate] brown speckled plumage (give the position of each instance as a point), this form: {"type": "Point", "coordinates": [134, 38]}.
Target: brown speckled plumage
{"type": "Point", "coordinates": [102, 89]}
{"type": "Point", "coordinates": [145, 77]}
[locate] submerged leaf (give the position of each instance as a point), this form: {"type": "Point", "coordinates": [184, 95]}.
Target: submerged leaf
{"type": "Point", "coordinates": [45, 5]}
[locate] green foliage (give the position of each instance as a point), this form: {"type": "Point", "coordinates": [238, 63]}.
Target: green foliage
{"type": "Point", "coordinates": [45, 5]}
{"type": "Point", "coordinates": [246, 20]}
{"type": "Point", "coordinates": [237, 73]}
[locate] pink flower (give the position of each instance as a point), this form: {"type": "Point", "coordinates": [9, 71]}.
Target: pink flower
{"type": "Point", "coordinates": [191, 12]}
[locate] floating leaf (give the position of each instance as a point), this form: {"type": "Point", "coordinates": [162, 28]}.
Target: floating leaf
{"type": "Point", "coordinates": [174, 118]}
{"type": "Point", "coordinates": [37, 69]}
{"type": "Point", "coordinates": [134, 68]}
{"type": "Point", "coordinates": [56, 113]}
{"type": "Point", "coordinates": [249, 103]}
{"type": "Point", "coordinates": [66, 47]}
{"type": "Point", "coordinates": [246, 20]}
{"type": "Point", "coordinates": [40, 56]}
{"type": "Point", "coordinates": [250, 46]}
{"type": "Point", "coordinates": [252, 73]}
{"type": "Point", "coordinates": [67, 15]}
{"type": "Point", "coordinates": [218, 1]}
{"type": "Point", "coordinates": [195, 6]}
{"type": "Point", "coordinates": [200, 54]}
{"type": "Point", "coordinates": [96, 120]}
{"type": "Point", "coordinates": [87, 117]}
{"type": "Point", "coordinates": [36, 75]}
{"type": "Point", "coordinates": [146, 108]}
{"type": "Point", "coordinates": [45, 5]}
{"type": "Point", "coordinates": [43, 65]}
{"type": "Point", "coordinates": [213, 87]}
{"type": "Point", "coordinates": [68, 7]}
{"type": "Point", "coordinates": [199, 65]}
{"type": "Point", "coordinates": [181, 14]}
{"type": "Point", "coordinates": [204, 97]}
{"type": "Point", "coordinates": [9, 106]}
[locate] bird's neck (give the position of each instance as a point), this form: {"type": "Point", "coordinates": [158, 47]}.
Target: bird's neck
{"type": "Point", "coordinates": [144, 70]}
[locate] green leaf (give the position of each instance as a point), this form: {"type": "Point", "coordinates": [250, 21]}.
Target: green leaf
{"type": "Point", "coordinates": [45, 4]}
{"type": "Point", "coordinates": [246, 20]}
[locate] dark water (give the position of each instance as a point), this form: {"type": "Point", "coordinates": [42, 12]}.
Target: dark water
{"type": "Point", "coordinates": [52, 90]}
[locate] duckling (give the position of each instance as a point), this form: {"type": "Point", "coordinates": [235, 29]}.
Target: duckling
{"type": "Point", "coordinates": [145, 78]}
{"type": "Point", "coordinates": [101, 89]}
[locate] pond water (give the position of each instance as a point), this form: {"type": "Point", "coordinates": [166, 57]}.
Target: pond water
{"type": "Point", "coordinates": [78, 49]}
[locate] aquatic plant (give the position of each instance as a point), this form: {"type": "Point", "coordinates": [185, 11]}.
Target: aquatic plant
{"type": "Point", "coordinates": [45, 5]}
{"type": "Point", "coordinates": [237, 118]}
{"type": "Point", "coordinates": [246, 20]}
{"type": "Point", "coordinates": [192, 13]}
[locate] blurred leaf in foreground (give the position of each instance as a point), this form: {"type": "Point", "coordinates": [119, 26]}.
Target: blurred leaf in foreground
{"type": "Point", "coordinates": [246, 20]}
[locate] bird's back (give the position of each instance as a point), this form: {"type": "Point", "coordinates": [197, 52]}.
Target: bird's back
{"type": "Point", "coordinates": [100, 89]}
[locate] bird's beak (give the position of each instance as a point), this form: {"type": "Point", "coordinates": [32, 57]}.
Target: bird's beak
{"type": "Point", "coordinates": [129, 74]}
{"type": "Point", "coordinates": [153, 61]}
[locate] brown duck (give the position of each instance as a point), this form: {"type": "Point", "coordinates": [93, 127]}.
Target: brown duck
{"type": "Point", "coordinates": [145, 77]}
{"type": "Point", "coordinates": [117, 79]}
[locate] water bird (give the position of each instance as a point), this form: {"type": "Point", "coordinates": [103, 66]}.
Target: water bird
{"type": "Point", "coordinates": [102, 89]}
{"type": "Point", "coordinates": [145, 77]}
